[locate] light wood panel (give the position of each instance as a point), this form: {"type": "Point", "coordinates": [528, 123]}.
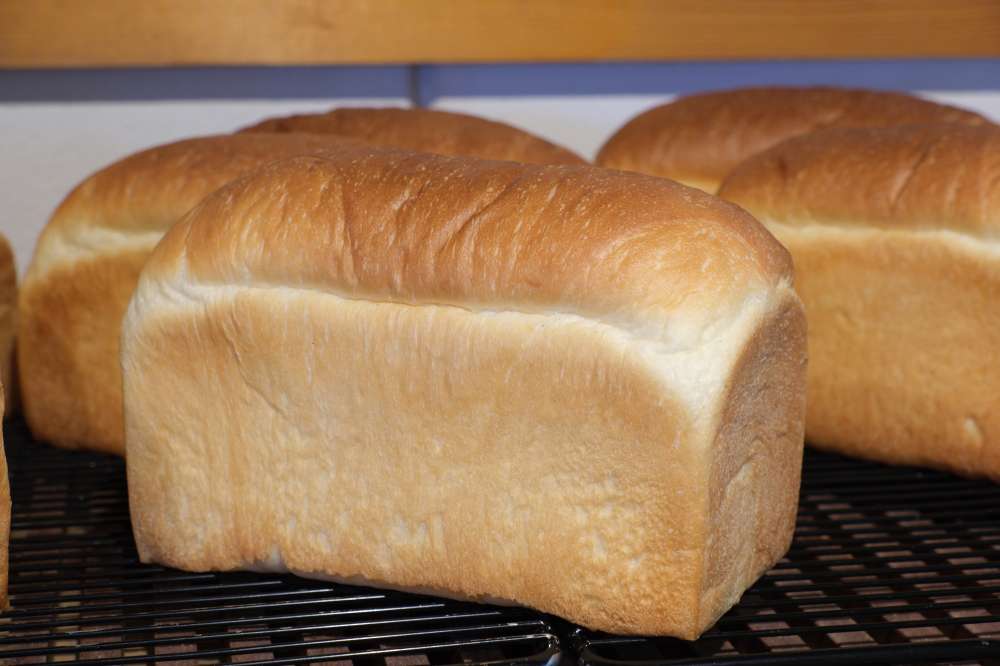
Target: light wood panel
{"type": "Point", "coordinates": [93, 33]}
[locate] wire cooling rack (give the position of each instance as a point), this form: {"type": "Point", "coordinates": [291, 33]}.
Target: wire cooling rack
{"type": "Point", "coordinates": [889, 566]}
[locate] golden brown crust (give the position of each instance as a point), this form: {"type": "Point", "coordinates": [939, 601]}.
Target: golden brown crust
{"type": "Point", "coordinates": [699, 139]}
{"type": "Point", "coordinates": [539, 384]}
{"type": "Point", "coordinates": [410, 227]}
{"type": "Point", "coordinates": [757, 465]}
{"type": "Point", "coordinates": [8, 322]}
{"type": "Point", "coordinates": [151, 189]}
{"type": "Point", "coordinates": [904, 345]}
{"type": "Point", "coordinates": [894, 236]}
{"type": "Point", "coordinates": [86, 266]}
{"type": "Point", "coordinates": [71, 322]}
{"type": "Point", "coordinates": [916, 177]}
{"type": "Point", "coordinates": [428, 131]}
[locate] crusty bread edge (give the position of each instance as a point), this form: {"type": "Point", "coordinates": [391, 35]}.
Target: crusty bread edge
{"type": "Point", "coordinates": [71, 379]}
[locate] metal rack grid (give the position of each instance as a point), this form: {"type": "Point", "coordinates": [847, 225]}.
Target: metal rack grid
{"type": "Point", "coordinates": [889, 565]}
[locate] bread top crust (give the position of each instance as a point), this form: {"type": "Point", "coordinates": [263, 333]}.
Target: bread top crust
{"type": "Point", "coordinates": [429, 131]}
{"type": "Point", "coordinates": [934, 177]}
{"type": "Point", "coordinates": [417, 228]}
{"type": "Point", "coordinates": [700, 138]}
{"type": "Point", "coordinates": [152, 189]}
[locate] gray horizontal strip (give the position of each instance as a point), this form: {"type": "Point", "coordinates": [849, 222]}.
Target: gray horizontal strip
{"type": "Point", "coordinates": [685, 77]}
{"type": "Point", "coordinates": [435, 81]}
{"type": "Point", "coordinates": [194, 83]}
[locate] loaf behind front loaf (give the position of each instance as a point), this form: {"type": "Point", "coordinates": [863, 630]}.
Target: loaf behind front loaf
{"type": "Point", "coordinates": [426, 131]}
{"type": "Point", "coordinates": [564, 387]}
{"type": "Point", "coordinates": [894, 233]}
{"type": "Point", "coordinates": [699, 139]}
{"type": "Point", "coordinates": [86, 265]}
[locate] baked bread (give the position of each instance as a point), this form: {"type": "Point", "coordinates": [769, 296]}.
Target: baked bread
{"type": "Point", "coordinates": [564, 387]}
{"type": "Point", "coordinates": [427, 131]}
{"type": "Point", "coordinates": [699, 139]}
{"type": "Point", "coordinates": [894, 236]}
{"type": "Point", "coordinates": [8, 321]}
{"type": "Point", "coordinates": [86, 265]}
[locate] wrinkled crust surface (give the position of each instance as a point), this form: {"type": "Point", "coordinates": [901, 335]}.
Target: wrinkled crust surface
{"type": "Point", "coordinates": [392, 226]}
{"type": "Point", "coordinates": [699, 139]}
{"type": "Point", "coordinates": [427, 131]}
{"type": "Point", "coordinates": [918, 177]}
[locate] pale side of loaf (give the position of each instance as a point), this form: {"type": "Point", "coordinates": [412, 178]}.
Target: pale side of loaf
{"type": "Point", "coordinates": [8, 322]}
{"type": "Point", "coordinates": [86, 265]}
{"type": "Point", "coordinates": [4, 513]}
{"type": "Point", "coordinates": [563, 387]}
{"type": "Point", "coordinates": [699, 139]}
{"type": "Point", "coordinates": [427, 131]}
{"type": "Point", "coordinates": [895, 234]}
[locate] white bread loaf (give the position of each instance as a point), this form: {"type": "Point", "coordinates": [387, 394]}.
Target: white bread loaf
{"type": "Point", "coordinates": [427, 131]}
{"type": "Point", "coordinates": [564, 387]}
{"type": "Point", "coordinates": [86, 265]}
{"type": "Point", "coordinates": [699, 139]}
{"type": "Point", "coordinates": [894, 234]}
{"type": "Point", "coordinates": [8, 322]}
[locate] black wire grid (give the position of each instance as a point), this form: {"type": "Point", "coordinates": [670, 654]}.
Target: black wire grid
{"type": "Point", "coordinates": [889, 566]}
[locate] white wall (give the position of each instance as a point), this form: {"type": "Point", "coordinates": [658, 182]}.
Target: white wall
{"type": "Point", "coordinates": [56, 128]}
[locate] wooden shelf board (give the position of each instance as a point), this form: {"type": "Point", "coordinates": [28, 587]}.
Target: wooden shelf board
{"type": "Point", "coordinates": [129, 33]}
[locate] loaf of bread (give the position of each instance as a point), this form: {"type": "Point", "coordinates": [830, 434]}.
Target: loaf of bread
{"type": "Point", "coordinates": [86, 265]}
{"type": "Point", "coordinates": [894, 237]}
{"type": "Point", "coordinates": [427, 131]}
{"type": "Point", "coordinates": [8, 321]}
{"type": "Point", "coordinates": [565, 387]}
{"type": "Point", "coordinates": [698, 140]}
